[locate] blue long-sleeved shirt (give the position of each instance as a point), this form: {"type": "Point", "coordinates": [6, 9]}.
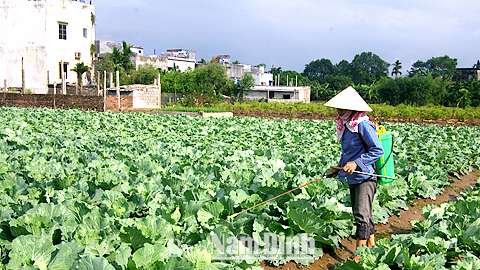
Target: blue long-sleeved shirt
{"type": "Point", "coordinates": [353, 149]}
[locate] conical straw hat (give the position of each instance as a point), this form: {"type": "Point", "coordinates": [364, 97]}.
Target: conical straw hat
{"type": "Point", "coordinates": [348, 99]}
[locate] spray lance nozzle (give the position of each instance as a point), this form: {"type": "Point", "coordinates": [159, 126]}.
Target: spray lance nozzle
{"type": "Point", "coordinates": [230, 218]}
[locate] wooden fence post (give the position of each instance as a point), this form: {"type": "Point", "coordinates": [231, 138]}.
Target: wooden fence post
{"type": "Point", "coordinates": [64, 83]}
{"type": "Point", "coordinates": [23, 78]}
{"type": "Point", "coordinates": [5, 93]}
{"type": "Point", "coordinates": [104, 89]}
{"type": "Point", "coordinates": [54, 94]}
{"type": "Point", "coordinates": [118, 88]}
{"type": "Point", "coordinates": [111, 80]}
{"type": "Point", "coordinates": [159, 92]}
{"type": "Point", "coordinates": [98, 83]}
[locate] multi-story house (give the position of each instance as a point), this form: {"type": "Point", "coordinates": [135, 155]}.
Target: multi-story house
{"type": "Point", "coordinates": [45, 39]}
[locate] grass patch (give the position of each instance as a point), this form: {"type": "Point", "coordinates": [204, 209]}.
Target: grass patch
{"type": "Point", "coordinates": [383, 111]}
{"type": "Point", "coordinates": [193, 109]}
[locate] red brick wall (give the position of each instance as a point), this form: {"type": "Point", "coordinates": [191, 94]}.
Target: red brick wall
{"type": "Point", "coordinates": [66, 102]}
{"type": "Point", "coordinates": [126, 103]}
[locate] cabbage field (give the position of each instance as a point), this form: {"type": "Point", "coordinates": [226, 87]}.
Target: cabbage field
{"type": "Point", "coordinates": [89, 190]}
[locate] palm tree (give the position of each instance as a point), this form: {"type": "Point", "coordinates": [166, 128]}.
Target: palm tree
{"type": "Point", "coordinates": [80, 68]}
{"type": "Point", "coordinates": [477, 65]}
{"type": "Point", "coordinates": [396, 68]}
{"type": "Point", "coordinates": [122, 58]}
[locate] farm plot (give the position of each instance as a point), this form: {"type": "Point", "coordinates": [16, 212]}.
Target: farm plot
{"type": "Point", "coordinates": [136, 191]}
{"type": "Point", "coordinates": [448, 238]}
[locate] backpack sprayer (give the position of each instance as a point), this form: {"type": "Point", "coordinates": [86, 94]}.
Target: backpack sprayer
{"type": "Point", "coordinates": [384, 164]}
{"type": "Point", "coordinates": [385, 172]}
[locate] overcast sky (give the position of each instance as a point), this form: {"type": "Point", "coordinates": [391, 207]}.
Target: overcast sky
{"type": "Point", "coordinates": [291, 34]}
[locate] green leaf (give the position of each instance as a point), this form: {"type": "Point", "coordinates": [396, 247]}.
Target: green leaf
{"type": "Point", "coordinates": [199, 257]}
{"type": "Point", "coordinates": [157, 229]}
{"type": "Point", "coordinates": [101, 248]}
{"type": "Point", "coordinates": [90, 262]}
{"type": "Point", "coordinates": [301, 213]}
{"type": "Point", "coordinates": [29, 248]}
{"type": "Point", "coordinates": [349, 265]}
{"type": "Point", "coordinates": [66, 255]}
{"type": "Point", "coordinates": [177, 263]}
{"type": "Point", "coordinates": [122, 255]}
{"type": "Point", "coordinates": [135, 237]}
{"type": "Point", "coordinates": [471, 237]}
{"type": "Point", "coordinates": [150, 254]}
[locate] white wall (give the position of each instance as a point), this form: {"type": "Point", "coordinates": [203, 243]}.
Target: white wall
{"type": "Point", "coordinates": [23, 38]}
{"type": "Point", "coordinates": [29, 29]}
{"type": "Point", "coordinates": [181, 64]}
{"type": "Point", "coordinates": [78, 16]}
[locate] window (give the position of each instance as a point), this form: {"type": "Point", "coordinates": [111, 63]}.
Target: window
{"type": "Point", "coordinates": [84, 32]}
{"type": "Point", "coordinates": [62, 31]}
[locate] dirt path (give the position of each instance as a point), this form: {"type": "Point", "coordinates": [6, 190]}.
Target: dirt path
{"type": "Point", "coordinates": [396, 225]}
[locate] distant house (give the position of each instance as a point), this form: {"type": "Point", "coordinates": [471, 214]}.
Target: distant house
{"type": "Point", "coordinates": [155, 61]}
{"type": "Point", "coordinates": [281, 94]}
{"type": "Point", "coordinates": [465, 74]}
{"type": "Point", "coordinates": [171, 59]}
{"type": "Point", "coordinates": [180, 59]}
{"type": "Point", "coordinates": [235, 72]}
{"type": "Point", "coordinates": [104, 47]}
{"type": "Point", "coordinates": [46, 38]}
{"type": "Point", "coordinates": [138, 59]}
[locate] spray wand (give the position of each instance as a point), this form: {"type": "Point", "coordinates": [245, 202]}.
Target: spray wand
{"type": "Point", "coordinates": [230, 218]}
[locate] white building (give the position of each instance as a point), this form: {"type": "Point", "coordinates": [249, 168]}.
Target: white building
{"type": "Point", "coordinates": [235, 72]}
{"type": "Point", "coordinates": [280, 94]}
{"type": "Point", "coordinates": [180, 59]}
{"type": "Point", "coordinates": [104, 47]}
{"type": "Point", "coordinates": [44, 37]}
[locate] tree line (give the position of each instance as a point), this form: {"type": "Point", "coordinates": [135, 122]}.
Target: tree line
{"type": "Point", "coordinates": [426, 83]}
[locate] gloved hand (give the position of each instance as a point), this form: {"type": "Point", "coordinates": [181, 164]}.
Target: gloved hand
{"type": "Point", "coordinates": [332, 173]}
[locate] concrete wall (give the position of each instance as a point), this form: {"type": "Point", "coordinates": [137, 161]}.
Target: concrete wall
{"type": "Point", "coordinates": [234, 72]}
{"type": "Point", "coordinates": [146, 96]}
{"type": "Point", "coordinates": [157, 62]}
{"type": "Point", "coordinates": [135, 96]}
{"type": "Point", "coordinates": [104, 47]}
{"type": "Point", "coordinates": [35, 67]}
{"type": "Point", "coordinates": [181, 64]}
{"type": "Point", "coordinates": [22, 34]}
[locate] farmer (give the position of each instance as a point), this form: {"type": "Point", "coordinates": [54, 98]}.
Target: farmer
{"type": "Point", "coordinates": [360, 149]}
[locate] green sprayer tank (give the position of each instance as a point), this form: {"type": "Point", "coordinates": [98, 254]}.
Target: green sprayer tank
{"type": "Point", "coordinates": [384, 165]}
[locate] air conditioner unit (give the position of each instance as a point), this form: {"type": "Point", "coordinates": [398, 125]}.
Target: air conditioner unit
{"type": "Point", "coordinates": [78, 55]}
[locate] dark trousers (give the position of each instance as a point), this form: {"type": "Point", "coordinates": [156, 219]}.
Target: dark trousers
{"type": "Point", "coordinates": [362, 198]}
